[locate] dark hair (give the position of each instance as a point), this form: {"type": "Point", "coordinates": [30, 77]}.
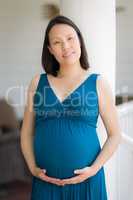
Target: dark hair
{"type": "Point", "coordinates": [49, 63]}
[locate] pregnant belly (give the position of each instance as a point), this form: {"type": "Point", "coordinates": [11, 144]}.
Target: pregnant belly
{"type": "Point", "coordinates": [61, 151]}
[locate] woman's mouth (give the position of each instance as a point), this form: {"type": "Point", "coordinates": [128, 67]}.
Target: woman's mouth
{"type": "Point", "coordinates": [67, 55]}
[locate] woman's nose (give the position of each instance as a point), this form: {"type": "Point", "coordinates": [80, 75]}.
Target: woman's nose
{"type": "Point", "coordinates": [65, 45]}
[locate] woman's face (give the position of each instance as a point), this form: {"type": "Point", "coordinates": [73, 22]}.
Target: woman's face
{"type": "Point", "coordinates": [64, 44]}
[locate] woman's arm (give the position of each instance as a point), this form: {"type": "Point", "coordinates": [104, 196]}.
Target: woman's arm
{"type": "Point", "coordinates": [27, 134]}
{"type": "Point", "coordinates": [109, 116]}
{"type": "Point", "coordinates": [27, 130]}
{"type": "Point", "coordinates": [108, 113]}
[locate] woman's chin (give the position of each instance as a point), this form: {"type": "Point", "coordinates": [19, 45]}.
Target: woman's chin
{"type": "Point", "coordinates": [70, 62]}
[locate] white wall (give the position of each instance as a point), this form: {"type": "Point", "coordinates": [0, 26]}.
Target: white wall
{"type": "Point", "coordinates": [124, 69]}
{"type": "Point", "coordinates": [21, 38]}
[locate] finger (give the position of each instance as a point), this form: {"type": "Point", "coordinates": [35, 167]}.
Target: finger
{"type": "Point", "coordinates": [53, 179]}
{"type": "Point", "coordinates": [42, 175]}
{"type": "Point", "coordinates": [74, 180]}
{"type": "Point", "coordinates": [71, 180]}
{"type": "Point", "coordinates": [80, 171]}
{"type": "Point", "coordinates": [44, 171]}
{"type": "Point", "coordinates": [41, 172]}
{"type": "Point", "coordinates": [77, 171]}
{"type": "Point", "coordinates": [50, 179]}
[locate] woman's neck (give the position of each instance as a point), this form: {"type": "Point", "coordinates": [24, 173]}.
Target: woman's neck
{"type": "Point", "coordinates": [70, 70]}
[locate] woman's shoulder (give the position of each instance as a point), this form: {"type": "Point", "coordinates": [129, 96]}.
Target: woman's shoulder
{"type": "Point", "coordinates": [104, 87]}
{"type": "Point", "coordinates": [34, 81]}
{"type": "Point", "coordinates": [102, 81]}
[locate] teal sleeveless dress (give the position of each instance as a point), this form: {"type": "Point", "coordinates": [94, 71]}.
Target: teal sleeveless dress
{"type": "Point", "coordinates": [66, 139]}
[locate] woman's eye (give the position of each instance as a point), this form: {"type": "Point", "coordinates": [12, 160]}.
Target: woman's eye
{"type": "Point", "coordinates": [70, 38]}
{"type": "Point", "coordinates": [57, 42]}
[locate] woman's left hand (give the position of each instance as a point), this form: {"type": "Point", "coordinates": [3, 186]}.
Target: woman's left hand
{"type": "Point", "coordinates": [84, 174]}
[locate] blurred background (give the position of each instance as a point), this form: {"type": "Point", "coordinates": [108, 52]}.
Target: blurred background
{"type": "Point", "coordinates": [107, 28]}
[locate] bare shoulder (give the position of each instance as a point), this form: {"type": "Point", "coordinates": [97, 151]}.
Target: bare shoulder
{"type": "Point", "coordinates": [34, 82]}
{"type": "Point", "coordinates": [103, 83]}
{"type": "Point", "coordinates": [31, 90]}
{"type": "Point", "coordinates": [104, 88]}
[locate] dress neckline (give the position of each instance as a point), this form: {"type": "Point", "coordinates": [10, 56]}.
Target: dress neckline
{"type": "Point", "coordinates": [61, 101]}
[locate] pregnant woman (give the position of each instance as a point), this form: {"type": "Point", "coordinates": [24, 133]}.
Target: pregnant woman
{"type": "Point", "coordinates": [59, 139]}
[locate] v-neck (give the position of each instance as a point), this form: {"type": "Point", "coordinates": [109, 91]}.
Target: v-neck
{"type": "Point", "coordinates": [72, 92]}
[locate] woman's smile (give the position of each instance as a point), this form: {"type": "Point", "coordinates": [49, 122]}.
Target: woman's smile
{"type": "Point", "coordinates": [67, 55]}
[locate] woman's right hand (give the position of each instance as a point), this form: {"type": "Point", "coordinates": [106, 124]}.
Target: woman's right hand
{"type": "Point", "coordinates": [41, 173]}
